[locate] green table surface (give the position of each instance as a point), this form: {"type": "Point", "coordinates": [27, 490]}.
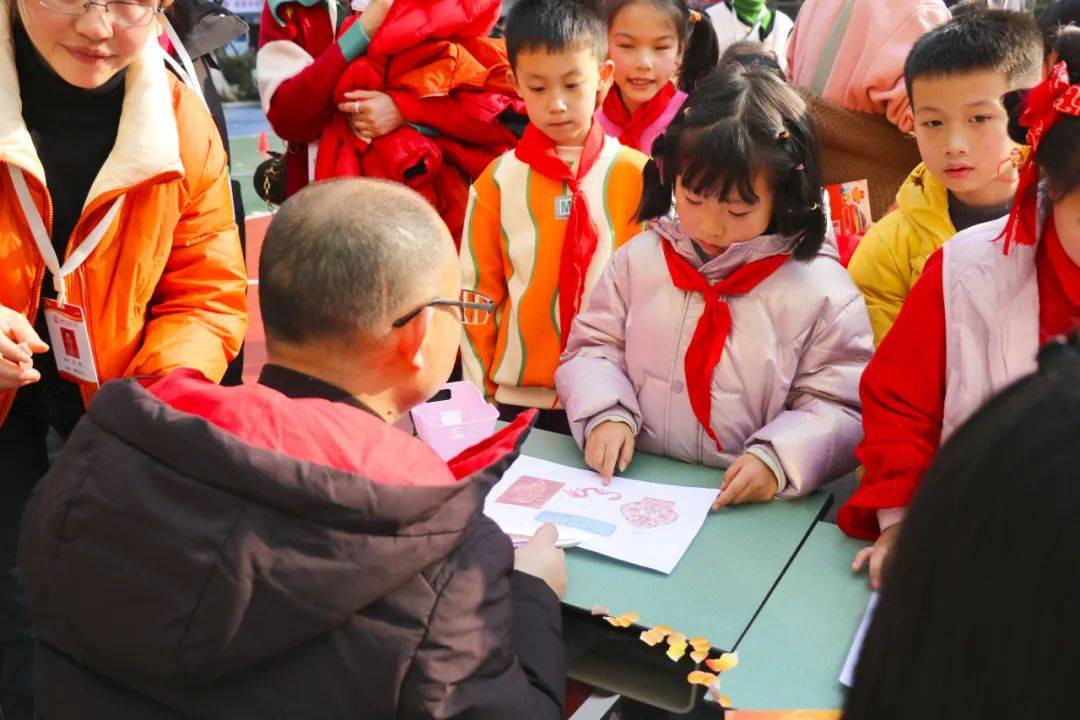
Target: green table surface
{"type": "Point", "coordinates": [724, 576]}
{"type": "Point", "coordinates": [795, 649]}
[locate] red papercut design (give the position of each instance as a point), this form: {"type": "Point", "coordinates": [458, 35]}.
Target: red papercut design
{"type": "Point", "coordinates": [530, 492]}
{"type": "Point", "coordinates": [650, 513]}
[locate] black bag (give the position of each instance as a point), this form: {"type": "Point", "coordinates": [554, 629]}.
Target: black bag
{"type": "Point", "coordinates": [269, 179]}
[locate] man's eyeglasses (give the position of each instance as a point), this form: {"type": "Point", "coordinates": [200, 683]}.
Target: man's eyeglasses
{"type": "Point", "coordinates": [127, 14]}
{"type": "Point", "coordinates": [473, 308]}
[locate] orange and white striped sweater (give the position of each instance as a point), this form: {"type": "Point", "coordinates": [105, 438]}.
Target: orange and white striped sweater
{"type": "Point", "coordinates": [510, 252]}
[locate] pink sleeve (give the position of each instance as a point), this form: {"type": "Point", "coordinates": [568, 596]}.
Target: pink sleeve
{"type": "Point", "coordinates": [884, 77]}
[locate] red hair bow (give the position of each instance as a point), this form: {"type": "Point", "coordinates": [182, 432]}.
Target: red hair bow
{"type": "Point", "coordinates": [1043, 107]}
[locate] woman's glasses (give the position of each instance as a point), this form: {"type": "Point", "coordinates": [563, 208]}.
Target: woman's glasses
{"type": "Point", "coordinates": [120, 12]}
{"type": "Point", "coordinates": [473, 308]}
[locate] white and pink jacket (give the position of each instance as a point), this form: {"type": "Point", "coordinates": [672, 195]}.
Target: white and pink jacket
{"type": "Point", "coordinates": [786, 388]}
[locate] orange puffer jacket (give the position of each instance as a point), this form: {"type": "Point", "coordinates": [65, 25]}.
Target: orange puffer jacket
{"type": "Point", "coordinates": [167, 285]}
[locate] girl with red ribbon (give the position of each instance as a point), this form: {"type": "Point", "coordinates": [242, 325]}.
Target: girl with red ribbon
{"type": "Point", "coordinates": [660, 48]}
{"type": "Point", "coordinates": [976, 319]}
{"type": "Point", "coordinates": [727, 334]}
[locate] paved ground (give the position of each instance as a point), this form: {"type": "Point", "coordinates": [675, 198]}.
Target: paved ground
{"type": "Point", "coordinates": [245, 122]}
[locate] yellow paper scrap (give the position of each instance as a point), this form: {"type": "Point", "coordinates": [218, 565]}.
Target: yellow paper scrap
{"type": "Point", "coordinates": [699, 655]}
{"type": "Point", "coordinates": [676, 651]}
{"type": "Point", "coordinates": [727, 661]}
{"type": "Point", "coordinates": [698, 677]}
{"type": "Point", "coordinates": [625, 620]}
{"type": "Point", "coordinates": [650, 638]}
{"type": "Point", "coordinates": [676, 638]}
{"type": "Point", "coordinates": [700, 643]}
{"type": "Point", "coordinates": [662, 630]}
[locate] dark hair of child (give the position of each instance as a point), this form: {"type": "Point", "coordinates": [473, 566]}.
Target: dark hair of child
{"type": "Point", "coordinates": [739, 122]}
{"type": "Point", "coordinates": [1058, 156]}
{"type": "Point", "coordinates": [1057, 15]}
{"type": "Point", "coordinates": [978, 40]}
{"type": "Point", "coordinates": [555, 26]}
{"type": "Point", "coordinates": [978, 616]}
{"type": "Point", "coordinates": [749, 54]}
{"type": "Point", "coordinates": [697, 38]}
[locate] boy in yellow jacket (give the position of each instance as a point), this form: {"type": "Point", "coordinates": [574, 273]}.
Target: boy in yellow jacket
{"type": "Point", "coordinates": [543, 219]}
{"type": "Point", "coordinates": [956, 76]}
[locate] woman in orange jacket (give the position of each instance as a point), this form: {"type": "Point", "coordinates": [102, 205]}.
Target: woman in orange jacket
{"type": "Point", "coordinates": [119, 254]}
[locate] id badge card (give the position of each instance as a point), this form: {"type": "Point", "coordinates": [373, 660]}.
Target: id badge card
{"type": "Point", "coordinates": [70, 342]}
{"type": "Point", "coordinates": [563, 204]}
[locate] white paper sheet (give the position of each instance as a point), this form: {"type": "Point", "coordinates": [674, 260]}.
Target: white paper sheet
{"type": "Point", "coordinates": [847, 675]}
{"type": "Point", "coordinates": [643, 523]}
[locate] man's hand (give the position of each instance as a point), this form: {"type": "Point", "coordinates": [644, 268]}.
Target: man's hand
{"type": "Point", "coordinates": [747, 480]}
{"type": "Point", "coordinates": [371, 114]}
{"type": "Point", "coordinates": [610, 443]}
{"type": "Point", "coordinates": [878, 555]}
{"type": "Point", "coordinates": [18, 343]}
{"type": "Point", "coordinates": [540, 558]}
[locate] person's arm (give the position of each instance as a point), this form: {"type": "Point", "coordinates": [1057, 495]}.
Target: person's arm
{"type": "Point", "coordinates": [592, 381]}
{"type": "Point", "coordinates": [493, 646]}
{"type": "Point", "coordinates": [296, 88]}
{"type": "Point", "coordinates": [814, 439]}
{"type": "Point", "coordinates": [881, 275]}
{"type": "Point", "coordinates": [883, 77]}
{"type": "Point", "coordinates": [483, 270]}
{"type": "Point", "coordinates": [903, 397]}
{"type": "Point", "coordinates": [198, 311]}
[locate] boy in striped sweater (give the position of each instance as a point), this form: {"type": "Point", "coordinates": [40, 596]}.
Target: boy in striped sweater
{"type": "Point", "coordinates": [543, 219]}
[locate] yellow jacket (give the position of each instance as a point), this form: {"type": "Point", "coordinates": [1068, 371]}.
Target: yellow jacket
{"type": "Point", "coordinates": [891, 256]}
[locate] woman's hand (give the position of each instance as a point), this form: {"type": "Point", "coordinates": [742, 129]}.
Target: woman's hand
{"type": "Point", "coordinates": [371, 114]}
{"type": "Point", "coordinates": [374, 14]}
{"type": "Point", "coordinates": [18, 343]}
{"type": "Point", "coordinates": [609, 443]}
{"type": "Point", "coordinates": [747, 480]}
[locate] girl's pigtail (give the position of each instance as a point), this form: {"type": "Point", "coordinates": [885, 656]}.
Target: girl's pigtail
{"type": "Point", "coordinates": [701, 52]}
{"type": "Point", "coordinates": [657, 189]}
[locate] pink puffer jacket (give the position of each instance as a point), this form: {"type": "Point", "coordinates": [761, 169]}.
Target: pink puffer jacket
{"type": "Point", "coordinates": [786, 388]}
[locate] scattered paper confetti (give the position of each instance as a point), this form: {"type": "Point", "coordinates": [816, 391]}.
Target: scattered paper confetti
{"type": "Point", "coordinates": [676, 651]}
{"type": "Point", "coordinates": [698, 677]}
{"type": "Point", "coordinates": [676, 638]}
{"type": "Point", "coordinates": [662, 630]}
{"type": "Point", "coordinates": [700, 643]}
{"type": "Point", "coordinates": [699, 655]}
{"type": "Point", "coordinates": [600, 610]}
{"type": "Point", "coordinates": [727, 661]}
{"type": "Point", "coordinates": [625, 620]}
{"type": "Point", "coordinates": [650, 638]}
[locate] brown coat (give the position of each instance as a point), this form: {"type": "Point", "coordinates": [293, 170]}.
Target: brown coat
{"type": "Point", "coordinates": [860, 146]}
{"type": "Point", "coordinates": [174, 570]}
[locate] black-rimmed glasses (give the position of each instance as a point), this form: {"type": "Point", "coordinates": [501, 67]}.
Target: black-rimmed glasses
{"type": "Point", "coordinates": [474, 309]}
{"type": "Point", "coordinates": [127, 14]}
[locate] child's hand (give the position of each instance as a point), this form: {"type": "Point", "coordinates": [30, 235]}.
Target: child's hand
{"type": "Point", "coordinates": [747, 480]}
{"type": "Point", "coordinates": [540, 558]}
{"type": "Point", "coordinates": [609, 443]}
{"type": "Point", "coordinates": [877, 555]}
{"type": "Point", "coordinates": [374, 14]}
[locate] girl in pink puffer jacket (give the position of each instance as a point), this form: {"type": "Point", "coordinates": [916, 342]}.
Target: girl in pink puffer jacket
{"type": "Point", "coordinates": [727, 334]}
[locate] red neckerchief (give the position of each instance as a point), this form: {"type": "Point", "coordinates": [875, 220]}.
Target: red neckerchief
{"type": "Point", "coordinates": [632, 125]}
{"type": "Point", "coordinates": [1059, 287]}
{"type": "Point", "coordinates": [1043, 106]}
{"type": "Point", "coordinates": [707, 345]}
{"type": "Point", "coordinates": [538, 151]}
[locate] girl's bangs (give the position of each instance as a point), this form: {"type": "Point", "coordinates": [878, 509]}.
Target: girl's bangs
{"type": "Point", "coordinates": [706, 170]}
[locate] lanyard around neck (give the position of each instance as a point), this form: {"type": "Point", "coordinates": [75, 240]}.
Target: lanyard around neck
{"type": "Point", "coordinates": [41, 237]}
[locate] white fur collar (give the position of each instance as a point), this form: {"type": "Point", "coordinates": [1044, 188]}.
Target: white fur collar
{"type": "Point", "coordinates": [147, 142]}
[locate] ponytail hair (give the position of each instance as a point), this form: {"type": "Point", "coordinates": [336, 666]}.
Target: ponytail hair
{"type": "Point", "coordinates": [741, 122]}
{"type": "Point", "coordinates": [699, 46]}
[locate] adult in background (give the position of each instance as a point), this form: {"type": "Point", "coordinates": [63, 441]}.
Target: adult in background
{"type": "Point", "coordinates": [279, 549]}
{"type": "Point", "coordinates": [114, 199]}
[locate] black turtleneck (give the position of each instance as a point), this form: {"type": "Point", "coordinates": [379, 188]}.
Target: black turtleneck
{"type": "Point", "coordinates": [73, 132]}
